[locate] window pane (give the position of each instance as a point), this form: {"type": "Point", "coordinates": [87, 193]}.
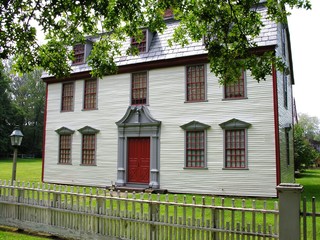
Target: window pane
{"type": "Point", "coordinates": [142, 46]}
{"type": "Point", "coordinates": [235, 152]}
{"type": "Point", "coordinates": [195, 149]}
{"type": "Point", "coordinates": [195, 83]}
{"type": "Point", "coordinates": [78, 51]}
{"type": "Point", "coordinates": [88, 149]}
{"type": "Point", "coordinates": [90, 92]}
{"type": "Point", "coordinates": [65, 149]}
{"type": "Point", "coordinates": [139, 88]}
{"type": "Point", "coordinates": [235, 90]}
{"type": "Point", "coordinates": [67, 97]}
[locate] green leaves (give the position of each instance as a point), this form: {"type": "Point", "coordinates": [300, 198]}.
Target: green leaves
{"type": "Point", "coordinates": [230, 27]}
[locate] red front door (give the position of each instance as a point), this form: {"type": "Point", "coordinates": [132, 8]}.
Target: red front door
{"type": "Point", "coordinates": [138, 160]}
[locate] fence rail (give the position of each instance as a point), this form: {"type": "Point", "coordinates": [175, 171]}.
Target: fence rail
{"type": "Point", "coordinates": [102, 214]}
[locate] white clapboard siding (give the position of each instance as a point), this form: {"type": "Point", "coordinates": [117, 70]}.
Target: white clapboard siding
{"type": "Point", "coordinates": [167, 104]}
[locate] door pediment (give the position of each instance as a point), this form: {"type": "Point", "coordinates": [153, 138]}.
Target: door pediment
{"type": "Point", "coordinates": [137, 115]}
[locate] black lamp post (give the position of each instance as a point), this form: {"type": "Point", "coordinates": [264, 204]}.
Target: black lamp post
{"type": "Point", "coordinates": [16, 139]}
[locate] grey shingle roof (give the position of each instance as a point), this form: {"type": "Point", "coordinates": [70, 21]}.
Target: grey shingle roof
{"type": "Point", "coordinates": [160, 49]}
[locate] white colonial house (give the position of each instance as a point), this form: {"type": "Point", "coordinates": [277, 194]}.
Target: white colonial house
{"type": "Point", "coordinates": [164, 122]}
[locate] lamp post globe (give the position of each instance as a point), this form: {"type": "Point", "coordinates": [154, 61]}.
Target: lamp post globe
{"type": "Point", "coordinates": [16, 139]}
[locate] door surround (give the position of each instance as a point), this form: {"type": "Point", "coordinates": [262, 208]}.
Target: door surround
{"type": "Point", "coordinates": [138, 122]}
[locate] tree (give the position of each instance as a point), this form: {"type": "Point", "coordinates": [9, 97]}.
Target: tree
{"type": "Point", "coordinates": [310, 126]}
{"type": "Point", "coordinates": [28, 94]}
{"type": "Point", "coordinates": [304, 153]}
{"type": "Point", "coordinates": [230, 27]}
{"type": "Point", "coordinates": [9, 113]}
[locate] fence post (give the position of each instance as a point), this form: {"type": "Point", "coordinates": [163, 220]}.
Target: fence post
{"type": "Point", "coordinates": [154, 211]}
{"type": "Point", "coordinates": [289, 211]}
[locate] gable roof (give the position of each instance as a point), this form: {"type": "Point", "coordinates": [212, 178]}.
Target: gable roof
{"type": "Point", "coordinates": [161, 51]}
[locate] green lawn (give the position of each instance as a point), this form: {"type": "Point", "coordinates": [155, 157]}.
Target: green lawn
{"type": "Point", "coordinates": [28, 170]}
{"type": "Point", "coordinates": [13, 234]}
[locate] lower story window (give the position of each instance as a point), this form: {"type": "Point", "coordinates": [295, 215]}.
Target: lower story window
{"type": "Point", "coordinates": [195, 149]}
{"type": "Point", "coordinates": [235, 149]}
{"type": "Point", "coordinates": [88, 149]}
{"type": "Point", "coordinates": [65, 149]}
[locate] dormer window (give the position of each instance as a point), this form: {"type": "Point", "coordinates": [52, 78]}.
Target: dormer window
{"type": "Point", "coordinates": [81, 51]}
{"type": "Point", "coordinates": [142, 45]}
{"type": "Point", "coordinates": [78, 54]}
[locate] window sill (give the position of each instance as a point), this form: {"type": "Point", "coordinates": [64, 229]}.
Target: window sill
{"type": "Point", "coordinates": [90, 109]}
{"type": "Point", "coordinates": [235, 168]}
{"type": "Point", "coordinates": [199, 101]}
{"type": "Point", "coordinates": [66, 111]}
{"type": "Point", "coordinates": [195, 168]}
{"type": "Point", "coordinates": [64, 164]}
{"type": "Point", "coordinates": [89, 165]}
{"type": "Point", "coordinates": [235, 98]}
{"type": "Point", "coordinates": [76, 64]}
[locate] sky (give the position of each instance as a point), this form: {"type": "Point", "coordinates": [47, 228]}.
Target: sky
{"type": "Point", "coordinates": [305, 46]}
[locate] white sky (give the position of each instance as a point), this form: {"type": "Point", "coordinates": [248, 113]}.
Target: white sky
{"type": "Point", "coordinates": [305, 45]}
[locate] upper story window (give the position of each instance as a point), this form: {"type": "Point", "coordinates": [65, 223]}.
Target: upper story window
{"type": "Point", "coordinates": [139, 88]}
{"type": "Point", "coordinates": [141, 45]}
{"type": "Point", "coordinates": [285, 90]}
{"type": "Point", "coordinates": [79, 54]}
{"type": "Point", "coordinates": [235, 90]}
{"type": "Point", "coordinates": [196, 83]}
{"type": "Point", "coordinates": [90, 94]}
{"type": "Point", "coordinates": [195, 144]}
{"type": "Point", "coordinates": [235, 144]}
{"type": "Point", "coordinates": [67, 97]}
{"type": "Point", "coordinates": [283, 39]}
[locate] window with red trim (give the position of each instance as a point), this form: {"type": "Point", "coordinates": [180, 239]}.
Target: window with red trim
{"type": "Point", "coordinates": [235, 148]}
{"type": "Point", "coordinates": [88, 149]}
{"type": "Point", "coordinates": [196, 83]}
{"type": "Point", "coordinates": [236, 89]}
{"type": "Point", "coordinates": [65, 149]}
{"type": "Point", "coordinates": [78, 51]}
{"type": "Point", "coordinates": [139, 88]}
{"type": "Point", "coordinates": [90, 94]}
{"type": "Point", "coordinates": [195, 149]}
{"type": "Point", "coordinates": [67, 97]}
{"type": "Point", "coordinates": [140, 45]}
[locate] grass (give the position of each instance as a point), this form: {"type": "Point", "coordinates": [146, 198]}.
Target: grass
{"type": "Point", "coordinates": [28, 170]}
{"type": "Point", "coordinates": [7, 233]}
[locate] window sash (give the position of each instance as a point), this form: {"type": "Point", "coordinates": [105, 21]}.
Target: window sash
{"type": "Point", "coordinates": [139, 88]}
{"type": "Point", "coordinates": [285, 91]}
{"type": "Point", "coordinates": [141, 46]}
{"type": "Point", "coordinates": [88, 149]}
{"type": "Point", "coordinates": [235, 149]}
{"type": "Point", "coordinates": [236, 89]}
{"type": "Point", "coordinates": [65, 149]}
{"type": "Point", "coordinates": [90, 94]}
{"type": "Point", "coordinates": [67, 97]}
{"type": "Point", "coordinates": [78, 51]}
{"type": "Point", "coordinates": [195, 149]}
{"type": "Point", "coordinates": [196, 83]}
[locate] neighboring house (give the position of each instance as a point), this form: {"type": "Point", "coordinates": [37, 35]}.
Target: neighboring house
{"type": "Point", "coordinates": [164, 121]}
